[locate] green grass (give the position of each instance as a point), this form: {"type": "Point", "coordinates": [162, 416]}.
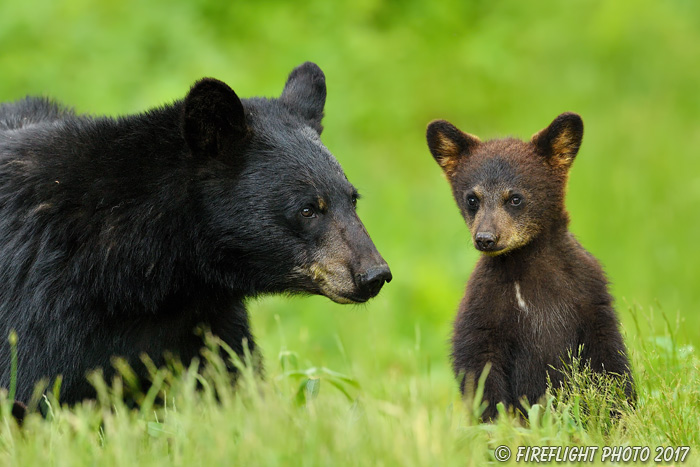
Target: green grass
{"type": "Point", "coordinates": [315, 416]}
{"type": "Point", "coordinates": [494, 69]}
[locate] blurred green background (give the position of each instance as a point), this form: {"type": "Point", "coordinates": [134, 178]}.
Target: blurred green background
{"type": "Point", "coordinates": [631, 69]}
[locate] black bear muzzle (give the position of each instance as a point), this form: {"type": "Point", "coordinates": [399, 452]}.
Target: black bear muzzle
{"type": "Point", "coordinates": [371, 282]}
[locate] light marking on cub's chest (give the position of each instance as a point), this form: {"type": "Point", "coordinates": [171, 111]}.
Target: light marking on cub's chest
{"type": "Point", "coordinates": [552, 317]}
{"type": "Point", "coordinates": [519, 298]}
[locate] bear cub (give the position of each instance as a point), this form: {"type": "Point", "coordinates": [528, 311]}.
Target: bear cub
{"type": "Point", "coordinates": [536, 296]}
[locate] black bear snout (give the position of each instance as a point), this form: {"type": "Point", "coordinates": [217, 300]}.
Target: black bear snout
{"type": "Point", "coordinates": [486, 241]}
{"type": "Point", "coordinates": [371, 282]}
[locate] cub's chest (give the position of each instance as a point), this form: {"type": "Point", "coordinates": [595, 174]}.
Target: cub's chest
{"type": "Point", "coordinates": [542, 312]}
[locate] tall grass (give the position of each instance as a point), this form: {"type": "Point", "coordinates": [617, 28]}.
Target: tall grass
{"type": "Point", "coordinates": [316, 416]}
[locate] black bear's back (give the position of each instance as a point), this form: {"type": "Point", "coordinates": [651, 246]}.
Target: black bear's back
{"type": "Point", "coordinates": [92, 236]}
{"type": "Point", "coordinates": [31, 111]}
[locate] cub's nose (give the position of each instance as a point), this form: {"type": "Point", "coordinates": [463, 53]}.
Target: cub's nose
{"type": "Point", "coordinates": [370, 282]}
{"type": "Point", "coordinates": [486, 241]}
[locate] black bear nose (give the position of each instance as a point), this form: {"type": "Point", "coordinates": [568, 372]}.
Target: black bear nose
{"type": "Point", "coordinates": [486, 241]}
{"type": "Point", "coordinates": [371, 282]}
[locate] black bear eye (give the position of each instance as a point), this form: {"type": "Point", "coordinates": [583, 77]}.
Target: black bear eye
{"type": "Point", "coordinates": [515, 200]}
{"type": "Point", "coordinates": [472, 201]}
{"type": "Point", "coordinates": [308, 212]}
{"type": "Point", "coordinates": [353, 200]}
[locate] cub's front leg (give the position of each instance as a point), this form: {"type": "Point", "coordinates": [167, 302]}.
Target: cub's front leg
{"type": "Point", "coordinates": [474, 345]}
{"type": "Point", "coordinates": [604, 349]}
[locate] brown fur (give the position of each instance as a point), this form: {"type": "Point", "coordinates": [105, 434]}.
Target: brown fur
{"type": "Point", "coordinates": [536, 295]}
{"type": "Point", "coordinates": [448, 143]}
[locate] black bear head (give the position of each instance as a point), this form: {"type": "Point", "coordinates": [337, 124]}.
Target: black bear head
{"type": "Point", "coordinates": [508, 190]}
{"type": "Point", "coordinates": [279, 213]}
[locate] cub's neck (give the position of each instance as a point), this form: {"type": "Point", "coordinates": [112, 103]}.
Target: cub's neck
{"type": "Point", "coordinates": [546, 251]}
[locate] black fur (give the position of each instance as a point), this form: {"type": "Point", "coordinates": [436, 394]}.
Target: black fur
{"type": "Point", "coordinates": [118, 236]}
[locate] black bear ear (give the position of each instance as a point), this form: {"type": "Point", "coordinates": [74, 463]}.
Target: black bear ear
{"type": "Point", "coordinates": [449, 145]}
{"type": "Point", "coordinates": [213, 117]}
{"type": "Point", "coordinates": [560, 141]}
{"type": "Point", "coordinates": [305, 93]}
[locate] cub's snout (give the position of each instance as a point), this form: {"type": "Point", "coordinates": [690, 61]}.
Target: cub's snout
{"type": "Point", "coordinates": [486, 241]}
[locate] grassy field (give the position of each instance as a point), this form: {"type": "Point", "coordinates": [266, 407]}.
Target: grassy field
{"type": "Point", "coordinates": [377, 377]}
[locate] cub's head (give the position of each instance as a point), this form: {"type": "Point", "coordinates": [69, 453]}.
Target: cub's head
{"type": "Point", "coordinates": [508, 190]}
{"type": "Point", "coordinates": [279, 212]}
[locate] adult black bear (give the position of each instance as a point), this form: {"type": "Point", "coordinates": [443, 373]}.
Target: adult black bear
{"type": "Point", "coordinates": [536, 295]}
{"type": "Point", "coordinates": [119, 236]}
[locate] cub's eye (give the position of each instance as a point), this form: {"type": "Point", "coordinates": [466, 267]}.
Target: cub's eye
{"type": "Point", "coordinates": [472, 201]}
{"type": "Point", "coordinates": [515, 200]}
{"type": "Point", "coordinates": [353, 200]}
{"type": "Point", "coordinates": [308, 212]}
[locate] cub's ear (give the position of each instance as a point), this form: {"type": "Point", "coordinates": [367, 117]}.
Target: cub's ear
{"type": "Point", "coordinates": [449, 145]}
{"type": "Point", "coordinates": [213, 118]}
{"type": "Point", "coordinates": [305, 94]}
{"type": "Point", "coordinates": [560, 141]}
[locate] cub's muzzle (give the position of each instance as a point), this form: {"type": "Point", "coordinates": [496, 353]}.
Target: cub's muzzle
{"type": "Point", "coordinates": [486, 241]}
